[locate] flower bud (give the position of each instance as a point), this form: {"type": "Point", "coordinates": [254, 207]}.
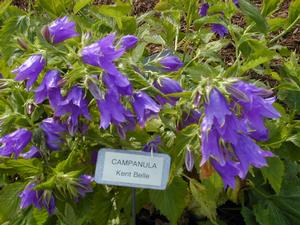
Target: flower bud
{"type": "Point", "coordinates": [189, 159]}
{"type": "Point", "coordinates": [94, 89]}
{"type": "Point", "coordinates": [46, 33]}
{"type": "Point", "coordinates": [29, 108]}
{"type": "Point", "coordinates": [22, 44]}
{"type": "Point", "coordinates": [197, 99]}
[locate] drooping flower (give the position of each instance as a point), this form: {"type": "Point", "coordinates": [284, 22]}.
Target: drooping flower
{"type": "Point", "coordinates": [49, 88]}
{"type": "Point", "coordinates": [171, 63]}
{"type": "Point", "coordinates": [112, 110]}
{"type": "Point", "coordinates": [30, 70]}
{"type": "Point", "coordinates": [15, 142]}
{"type": "Point", "coordinates": [94, 89]}
{"type": "Point", "coordinates": [229, 171]}
{"type": "Point", "coordinates": [30, 197]}
{"type": "Point", "coordinates": [219, 29]}
{"type": "Point", "coordinates": [102, 54]}
{"type": "Point", "coordinates": [152, 146]}
{"type": "Point", "coordinates": [249, 153]}
{"type": "Point", "coordinates": [54, 131]}
{"type": "Point", "coordinates": [145, 107]}
{"type": "Point", "coordinates": [128, 42]}
{"type": "Point", "coordinates": [255, 109]}
{"type": "Point", "coordinates": [76, 104]}
{"type": "Point", "coordinates": [128, 125]}
{"type": "Point", "coordinates": [32, 153]}
{"type": "Point", "coordinates": [48, 201]}
{"type": "Point", "coordinates": [117, 83]}
{"type": "Point", "coordinates": [84, 185]}
{"type": "Point", "coordinates": [62, 29]}
{"type": "Point", "coordinates": [189, 118]}
{"type": "Point", "coordinates": [167, 86]}
{"type": "Point", "coordinates": [189, 160]}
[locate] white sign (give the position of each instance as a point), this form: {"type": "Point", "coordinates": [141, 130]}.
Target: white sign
{"type": "Point", "coordinates": [132, 168]}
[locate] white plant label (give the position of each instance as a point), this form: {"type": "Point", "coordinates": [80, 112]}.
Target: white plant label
{"type": "Point", "coordinates": [132, 168]}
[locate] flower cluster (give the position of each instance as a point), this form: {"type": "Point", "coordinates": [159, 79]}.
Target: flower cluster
{"type": "Point", "coordinates": [228, 140]}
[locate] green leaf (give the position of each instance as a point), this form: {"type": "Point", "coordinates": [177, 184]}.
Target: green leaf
{"type": "Point", "coordinates": [294, 11]}
{"type": "Point", "coordinates": [55, 8]}
{"type": "Point", "coordinates": [207, 194]}
{"type": "Point", "coordinates": [253, 13]}
{"type": "Point", "coordinates": [172, 201]}
{"type": "Point", "coordinates": [9, 200]}
{"type": "Point", "coordinates": [81, 4]}
{"type": "Point", "coordinates": [22, 166]}
{"type": "Point", "coordinates": [274, 173]}
{"type": "Point", "coordinates": [254, 63]}
{"type": "Point", "coordinates": [279, 209]}
{"type": "Point", "coordinates": [248, 216]}
{"type": "Point", "coordinates": [4, 5]}
{"type": "Point", "coordinates": [40, 216]}
{"type": "Point", "coordinates": [295, 139]}
{"type": "Point", "coordinates": [270, 6]}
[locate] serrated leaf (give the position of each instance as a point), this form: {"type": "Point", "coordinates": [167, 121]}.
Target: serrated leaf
{"type": "Point", "coordinates": [9, 199]}
{"type": "Point", "coordinates": [295, 139]}
{"type": "Point", "coordinates": [81, 4]}
{"type": "Point", "coordinates": [253, 63]}
{"type": "Point", "coordinates": [55, 8]}
{"type": "Point", "coordinates": [40, 216]}
{"type": "Point", "coordinates": [253, 13]}
{"type": "Point", "coordinates": [270, 6]}
{"type": "Point", "coordinates": [279, 209]}
{"type": "Point", "coordinates": [274, 173]}
{"type": "Point", "coordinates": [172, 201]}
{"type": "Point", "coordinates": [23, 166]}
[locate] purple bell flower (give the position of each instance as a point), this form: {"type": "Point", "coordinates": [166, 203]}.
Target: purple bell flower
{"type": "Point", "coordinates": [76, 104]}
{"type": "Point", "coordinates": [152, 146]}
{"type": "Point", "coordinates": [48, 201]}
{"type": "Point", "coordinates": [62, 29]}
{"type": "Point", "coordinates": [102, 54]}
{"type": "Point", "coordinates": [94, 89]}
{"type": "Point", "coordinates": [189, 160]}
{"type": "Point", "coordinates": [54, 131]}
{"type": "Point", "coordinates": [249, 153]}
{"type": "Point", "coordinates": [128, 125]}
{"type": "Point", "coordinates": [167, 86]}
{"type": "Point", "coordinates": [203, 9]}
{"type": "Point", "coordinates": [171, 63]}
{"type": "Point", "coordinates": [117, 83]}
{"type": "Point", "coordinates": [129, 42]}
{"type": "Point", "coordinates": [30, 197]}
{"type": "Point", "coordinates": [255, 109]}
{"type": "Point", "coordinates": [30, 70]}
{"type": "Point", "coordinates": [32, 153]}
{"type": "Point", "coordinates": [219, 29]}
{"type": "Point", "coordinates": [112, 110]}
{"type": "Point", "coordinates": [189, 118]}
{"type": "Point", "coordinates": [85, 185]}
{"type": "Point", "coordinates": [229, 171]}
{"type": "Point", "coordinates": [49, 88]}
{"type": "Point", "coordinates": [14, 142]}
{"type": "Point", "coordinates": [144, 107]}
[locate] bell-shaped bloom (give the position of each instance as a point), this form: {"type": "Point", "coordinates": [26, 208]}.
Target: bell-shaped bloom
{"type": "Point", "coordinates": [229, 171]}
{"type": "Point", "coordinates": [94, 89]}
{"type": "Point", "coordinates": [203, 9]}
{"type": "Point", "coordinates": [255, 108]}
{"type": "Point", "coordinates": [62, 29]}
{"type": "Point", "coordinates": [15, 142]}
{"type": "Point", "coordinates": [171, 63]}
{"type": "Point", "coordinates": [167, 86]}
{"type": "Point", "coordinates": [219, 29]}
{"type": "Point", "coordinates": [30, 197]}
{"type": "Point", "coordinates": [117, 83]}
{"type": "Point", "coordinates": [53, 131]}
{"type": "Point", "coordinates": [85, 185]}
{"type": "Point", "coordinates": [112, 110]}
{"type": "Point", "coordinates": [32, 153]}
{"type": "Point", "coordinates": [39, 199]}
{"type": "Point", "coordinates": [75, 104]}
{"type": "Point", "coordinates": [129, 42]}
{"type": "Point", "coordinates": [102, 54]}
{"type": "Point", "coordinates": [189, 160]}
{"type": "Point", "coordinates": [152, 146]}
{"type": "Point", "coordinates": [249, 153]}
{"type": "Point", "coordinates": [128, 125]}
{"type": "Point", "coordinates": [30, 70]}
{"type": "Point", "coordinates": [216, 108]}
{"type": "Point", "coordinates": [189, 118]}
{"type": "Point", "coordinates": [49, 88]}
{"type": "Point", "coordinates": [144, 107]}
